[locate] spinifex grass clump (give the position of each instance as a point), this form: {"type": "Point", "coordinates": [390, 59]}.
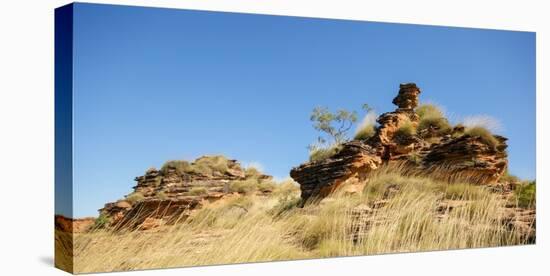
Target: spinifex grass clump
{"type": "Point", "coordinates": [365, 132]}
{"type": "Point", "coordinates": [319, 153]}
{"type": "Point", "coordinates": [181, 166]}
{"type": "Point", "coordinates": [406, 130]}
{"type": "Point", "coordinates": [486, 136]}
{"type": "Point", "coordinates": [432, 121]}
{"type": "Point", "coordinates": [206, 165]}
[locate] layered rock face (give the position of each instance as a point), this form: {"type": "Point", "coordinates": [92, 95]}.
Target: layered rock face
{"type": "Point", "coordinates": [169, 195]}
{"type": "Point", "coordinates": [321, 178]}
{"type": "Point", "coordinates": [451, 155]}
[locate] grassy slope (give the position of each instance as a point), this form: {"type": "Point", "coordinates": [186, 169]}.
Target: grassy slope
{"type": "Point", "coordinates": [400, 214]}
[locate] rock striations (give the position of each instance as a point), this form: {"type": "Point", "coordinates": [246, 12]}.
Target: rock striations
{"type": "Point", "coordinates": [170, 194]}
{"type": "Point", "coordinates": [452, 154]}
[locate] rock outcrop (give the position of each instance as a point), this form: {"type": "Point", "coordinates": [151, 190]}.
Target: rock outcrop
{"type": "Point", "coordinates": [451, 155]}
{"type": "Point", "coordinates": [321, 178]}
{"type": "Point", "coordinates": [170, 194]}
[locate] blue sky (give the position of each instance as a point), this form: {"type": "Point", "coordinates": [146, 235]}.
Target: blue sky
{"type": "Point", "coordinates": [152, 85]}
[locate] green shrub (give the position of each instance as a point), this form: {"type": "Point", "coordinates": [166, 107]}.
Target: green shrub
{"type": "Point", "coordinates": [485, 135]}
{"type": "Point", "coordinates": [101, 221]}
{"type": "Point", "coordinates": [429, 111]}
{"type": "Point", "coordinates": [318, 154]}
{"type": "Point", "coordinates": [525, 195]}
{"type": "Point", "coordinates": [365, 132]}
{"type": "Point", "coordinates": [134, 197]}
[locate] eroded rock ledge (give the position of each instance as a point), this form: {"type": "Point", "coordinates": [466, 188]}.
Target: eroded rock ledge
{"type": "Point", "coordinates": [451, 155]}
{"type": "Point", "coordinates": [169, 195]}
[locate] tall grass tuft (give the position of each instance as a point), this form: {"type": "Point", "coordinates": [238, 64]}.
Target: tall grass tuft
{"type": "Point", "coordinates": [486, 136]}
{"type": "Point", "coordinates": [318, 153]}
{"type": "Point", "coordinates": [432, 118]}
{"type": "Point", "coordinates": [396, 212]}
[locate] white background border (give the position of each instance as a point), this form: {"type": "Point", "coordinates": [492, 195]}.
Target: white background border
{"type": "Point", "coordinates": [27, 129]}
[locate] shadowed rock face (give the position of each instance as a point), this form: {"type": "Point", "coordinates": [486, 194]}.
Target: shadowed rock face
{"type": "Point", "coordinates": [321, 178]}
{"type": "Point", "coordinates": [446, 157]}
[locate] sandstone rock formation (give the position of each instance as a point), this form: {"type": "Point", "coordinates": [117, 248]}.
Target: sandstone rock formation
{"type": "Point", "coordinates": [170, 194]}
{"type": "Point", "coordinates": [450, 155]}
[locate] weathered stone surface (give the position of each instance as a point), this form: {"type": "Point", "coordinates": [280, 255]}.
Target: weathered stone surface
{"type": "Point", "coordinates": [169, 195]}
{"type": "Point", "coordinates": [390, 122]}
{"type": "Point", "coordinates": [450, 156]}
{"type": "Point", "coordinates": [322, 177]}
{"type": "Point", "coordinates": [467, 157]}
{"type": "Point", "coordinates": [407, 98]}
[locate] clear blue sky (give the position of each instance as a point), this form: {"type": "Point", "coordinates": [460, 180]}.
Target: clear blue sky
{"type": "Point", "coordinates": [152, 85]}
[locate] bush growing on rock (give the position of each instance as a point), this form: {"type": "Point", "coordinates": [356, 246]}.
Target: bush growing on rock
{"type": "Point", "coordinates": [406, 130]}
{"type": "Point", "coordinates": [196, 191]}
{"type": "Point", "coordinates": [180, 166]}
{"type": "Point", "coordinates": [205, 165]}
{"type": "Point", "coordinates": [432, 121]}
{"type": "Point", "coordinates": [334, 125]}
{"type": "Point", "coordinates": [244, 186]}
{"type": "Point", "coordinates": [367, 128]}
{"type": "Point", "coordinates": [134, 197]}
{"type": "Point", "coordinates": [317, 154]}
{"type": "Point", "coordinates": [440, 125]}
{"type": "Point", "coordinates": [486, 136]}
{"type": "Point", "coordinates": [458, 130]}
{"type": "Point", "coordinates": [252, 172]}
{"type": "Point", "coordinates": [429, 111]}
{"type": "Point", "coordinates": [209, 165]}
{"type": "Point", "coordinates": [365, 132]}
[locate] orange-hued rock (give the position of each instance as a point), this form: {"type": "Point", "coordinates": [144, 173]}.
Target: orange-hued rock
{"type": "Point", "coordinates": [452, 156]}
{"type": "Point", "coordinates": [322, 177]}
{"type": "Point", "coordinates": [71, 225]}
{"type": "Point", "coordinates": [170, 195]}
{"type": "Point", "coordinates": [467, 157]}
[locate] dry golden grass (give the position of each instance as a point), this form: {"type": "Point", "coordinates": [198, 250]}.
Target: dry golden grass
{"type": "Point", "coordinates": [254, 228]}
